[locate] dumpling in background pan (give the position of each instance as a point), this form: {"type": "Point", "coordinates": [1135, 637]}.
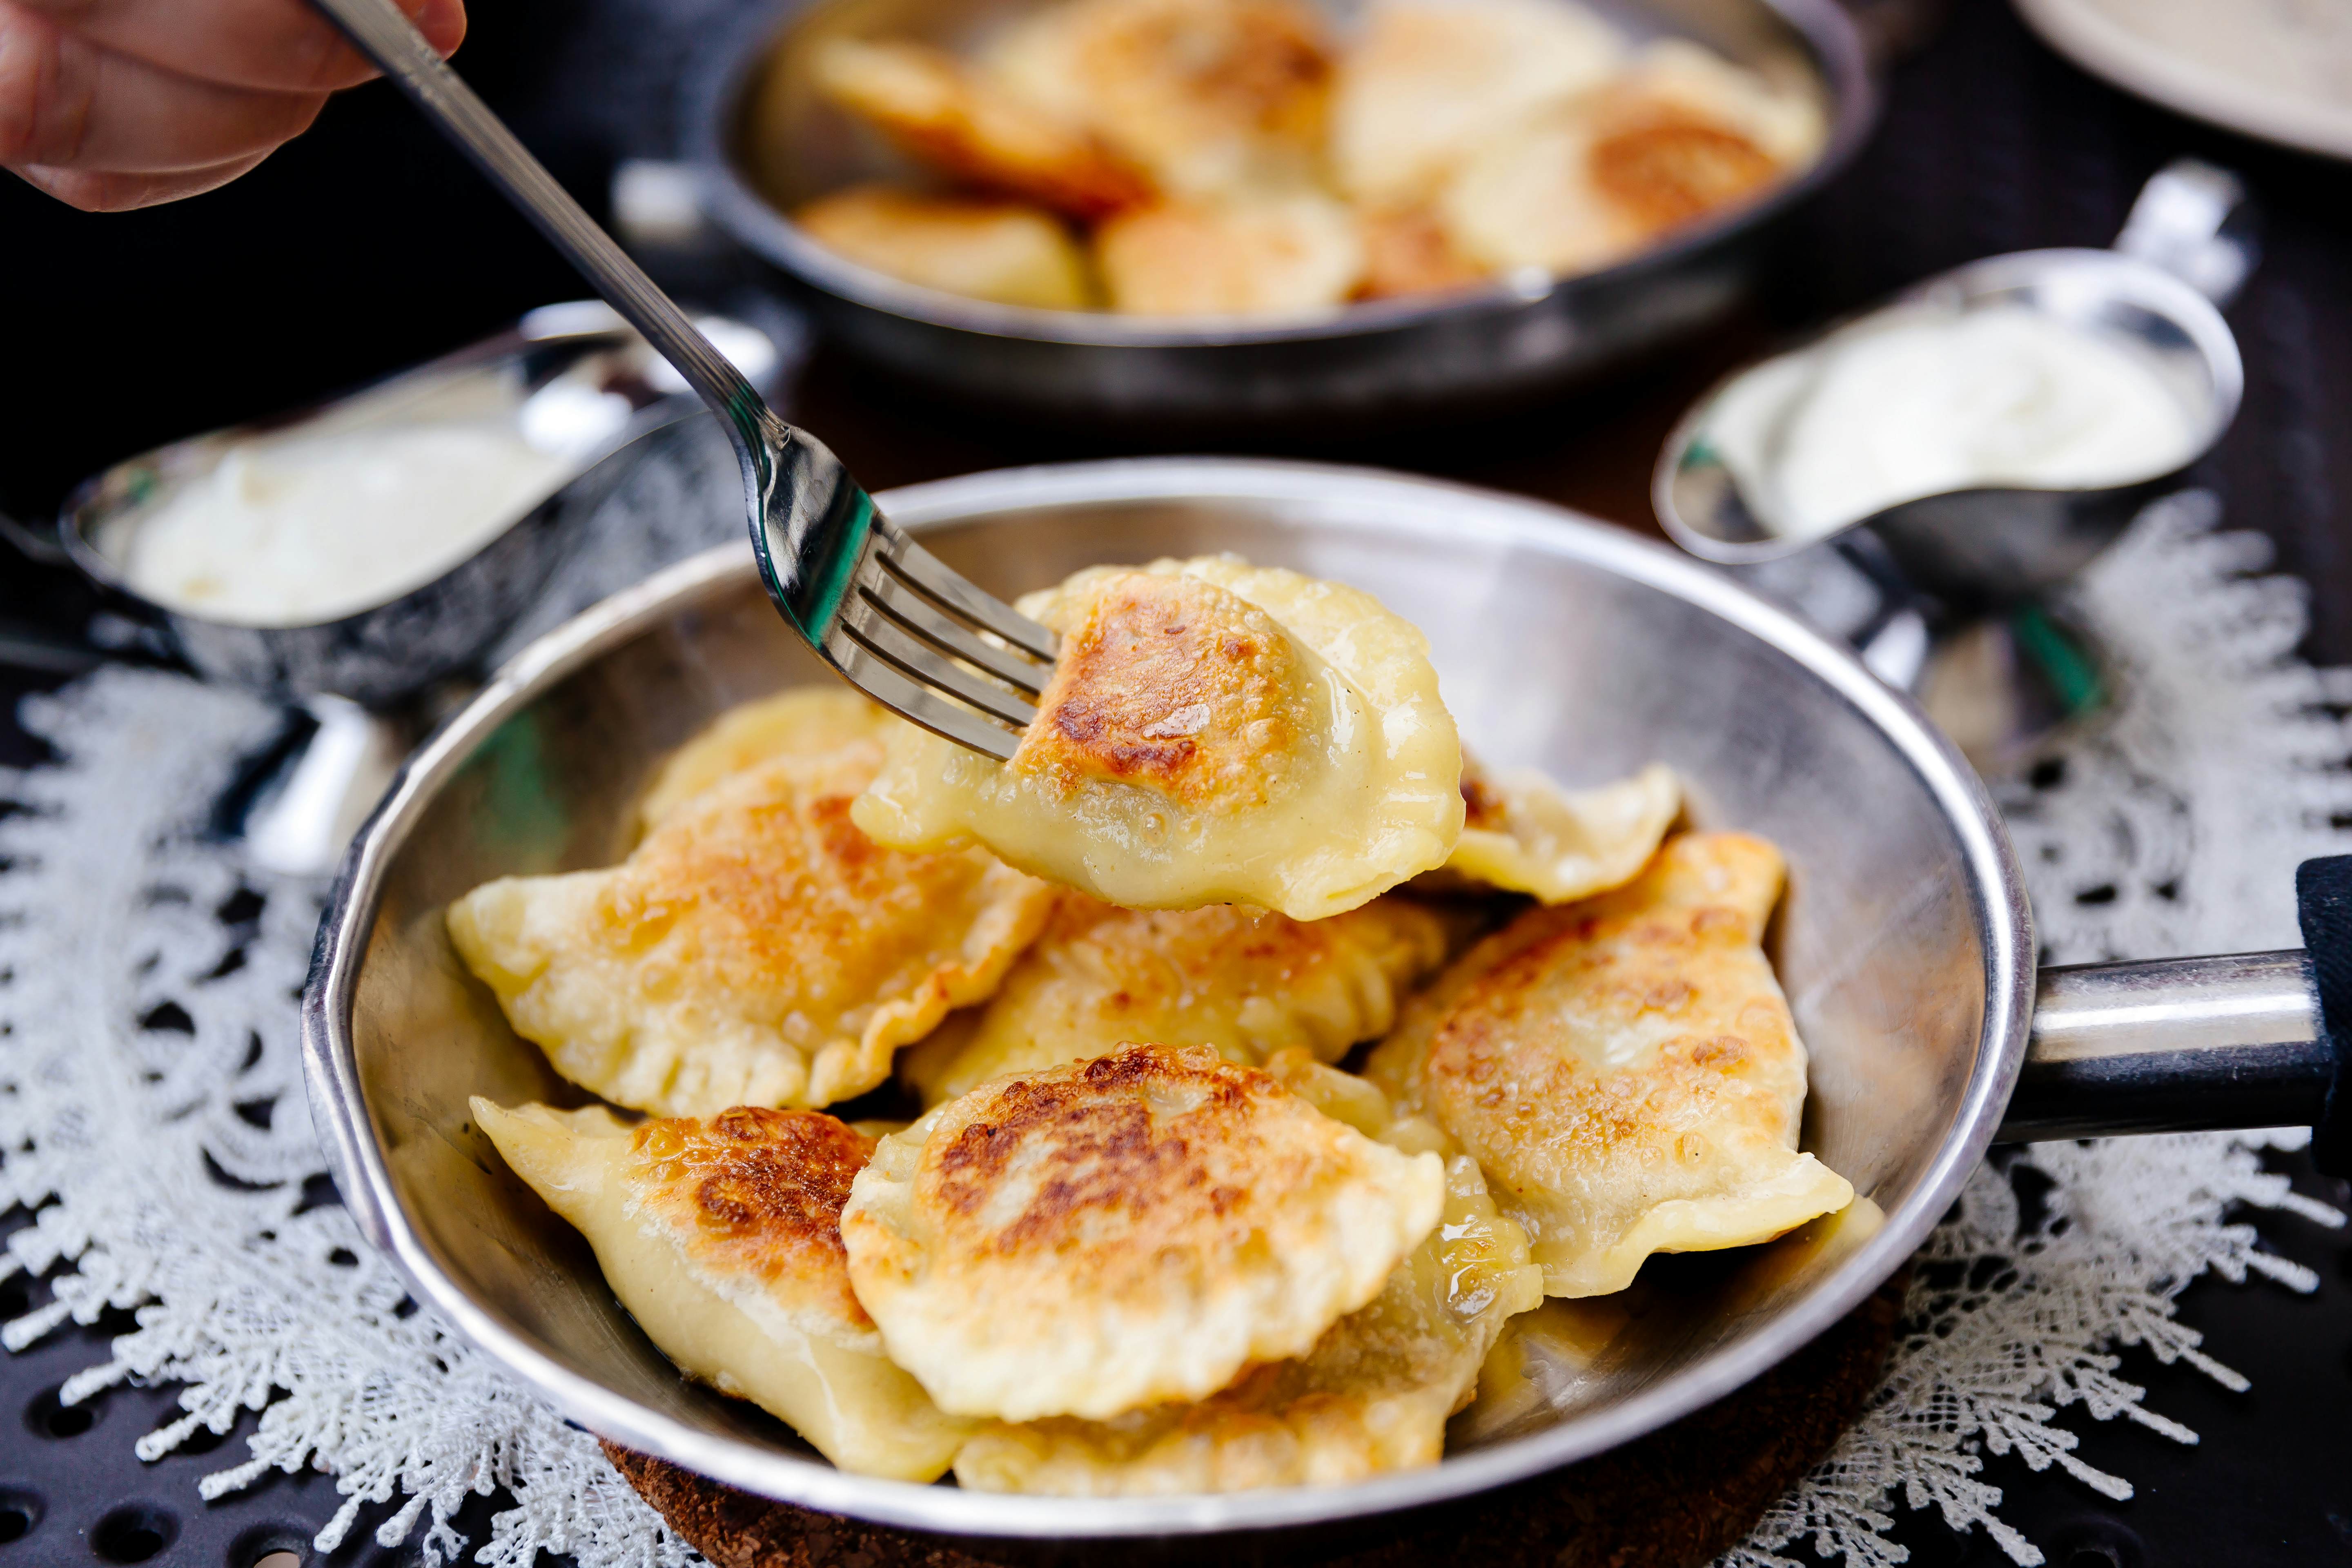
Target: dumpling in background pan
{"type": "Point", "coordinates": [950, 116]}
{"type": "Point", "coordinates": [722, 1239]}
{"type": "Point", "coordinates": [1524, 834]}
{"type": "Point", "coordinates": [755, 949]}
{"type": "Point", "coordinates": [1625, 1069]}
{"type": "Point", "coordinates": [1213, 733]}
{"type": "Point", "coordinates": [1109, 1234]}
{"type": "Point", "coordinates": [1246, 983]}
{"type": "Point", "coordinates": [803, 721]}
{"type": "Point", "coordinates": [1272, 256]}
{"type": "Point", "coordinates": [1008, 252]}
{"type": "Point", "coordinates": [1215, 98]}
{"type": "Point", "coordinates": [1372, 1394]}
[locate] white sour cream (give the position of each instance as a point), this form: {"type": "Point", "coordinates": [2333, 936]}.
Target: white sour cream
{"type": "Point", "coordinates": [1919, 402]}
{"type": "Point", "coordinates": [313, 526]}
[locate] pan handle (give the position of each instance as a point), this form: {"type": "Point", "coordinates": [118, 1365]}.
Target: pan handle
{"type": "Point", "coordinates": [2182, 1044]}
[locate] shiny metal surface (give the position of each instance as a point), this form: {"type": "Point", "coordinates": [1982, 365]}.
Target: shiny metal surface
{"type": "Point", "coordinates": [2173, 1045]}
{"type": "Point", "coordinates": [822, 552]}
{"type": "Point", "coordinates": [1987, 546]}
{"type": "Point", "coordinates": [765, 143]}
{"type": "Point", "coordinates": [1903, 942]}
{"type": "Point", "coordinates": [381, 656]}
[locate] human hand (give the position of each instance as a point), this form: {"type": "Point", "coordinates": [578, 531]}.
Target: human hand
{"type": "Point", "coordinates": [110, 104]}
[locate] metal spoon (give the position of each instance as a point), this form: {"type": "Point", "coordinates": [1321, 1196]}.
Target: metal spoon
{"type": "Point", "coordinates": [889, 617]}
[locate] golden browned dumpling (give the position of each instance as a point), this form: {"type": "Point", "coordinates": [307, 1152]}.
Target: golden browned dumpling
{"type": "Point", "coordinates": [1004, 251]}
{"type": "Point", "coordinates": [1108, 1235]}
{"type": "Point", "coordinates": [1625, 1069]}
{"type": "Point", "coordinates": [953, 118]}
{"type": "Point", "coordinates": [1683, 134]}
{"type": "Point", "coordinates": [1215, 98]}
{"type": "Point", "coordinates": [1215, 733]}
{"type": "Point", "coordinates": [1408, 251]}
{"type": "Point", "coordinates": [722, 1237]}
{"type": "Point", "coordinates": [1431, 81]}
{"type": "Point", "coordinates": [1523, 832]}
{"type": "Point", "coordinates": [806, 722]}
{"type": "Point", "coordinates": [1373, 1394]}
{"type": "Point", "coordinates": [1266, 256]}
{"type": "Point", "coordinates": [756, 949]}
{"type": "Point", "coordinates": [1246, 983]}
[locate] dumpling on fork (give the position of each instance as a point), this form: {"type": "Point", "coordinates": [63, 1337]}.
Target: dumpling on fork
{"type": "Point", "coordinates": [1246, 983]}
{"type": "Point", "coordinates": [1213, 733]}
{"type": "Point", "coordinates": [722, 1239]}
{"type": "Point", "coordinates": [755, 949]}
{"type": "Point", "coordinates": [1373, 1393]}
{"type": "Point", "coordinates": [1625, 1069]}
{"type": "Point", "coordinates": [1114, 1234]}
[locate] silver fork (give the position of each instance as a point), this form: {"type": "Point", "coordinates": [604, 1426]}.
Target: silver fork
{"type": "Point", "coordinates": [888, 614]}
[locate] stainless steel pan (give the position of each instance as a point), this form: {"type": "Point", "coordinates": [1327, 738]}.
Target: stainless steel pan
{"type": "Point", "coordinates": [1904, 943]}
{"type": "Point", "coordinates": [763, 143]}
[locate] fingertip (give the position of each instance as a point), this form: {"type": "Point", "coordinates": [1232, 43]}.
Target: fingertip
{"type": "Point", "coordinates": [443, 23]}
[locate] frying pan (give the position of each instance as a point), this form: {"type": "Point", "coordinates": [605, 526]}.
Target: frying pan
{"type": "Point", "coordinates": [1904, 943]}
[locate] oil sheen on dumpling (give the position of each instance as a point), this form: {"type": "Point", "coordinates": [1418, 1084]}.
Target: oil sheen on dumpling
{"type": "Point", "coordinates": [1373, 1394]}
{"type": "Point", "coordinates": [1625, 1069]}
{"type": "Point", "coordinates": [1525, 834]}
{"type": "Point", "coordinates": [1213, 733]}
{"type": "Point", "coordinates": [1112, 1234]}
{"type": "Point", "coordinates": [722, 1239]}
{"type": "Point", "coordinates": [806, 722]}
{"type": "Point", "coordinates": [1246, 982]}
{"type": "Point", "coordinates": [756, 949]}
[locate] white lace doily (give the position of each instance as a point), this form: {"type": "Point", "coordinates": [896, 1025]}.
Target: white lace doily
{"type": "Point", "coordinates": [151, 1110]}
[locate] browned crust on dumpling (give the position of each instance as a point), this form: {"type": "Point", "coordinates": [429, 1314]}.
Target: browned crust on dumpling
{"type": "Point", "coordinates": [757, 1193]}
{"type": "Point", "coordinates": [1174, 683]}
{"type": "Point", "coordinates": [1665, 167]}
{"type": "Point", "coordinates": [935, 108]}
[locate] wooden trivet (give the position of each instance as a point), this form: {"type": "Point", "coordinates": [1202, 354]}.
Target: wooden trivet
{"type": "Point", "coordinates": [1676, 1499]}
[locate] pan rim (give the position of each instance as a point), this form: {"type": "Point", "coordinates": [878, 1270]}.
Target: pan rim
{"type": "Point", "coordinates": [1371, 499]}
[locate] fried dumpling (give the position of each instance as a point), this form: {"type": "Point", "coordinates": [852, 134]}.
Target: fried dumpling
{"type": "Point", "coordinates": [1580, 185]}
{"type": "Point", "coordinates": [1215, 98]}
{"type": "Point", "coordinates": [951, 117]}
{"type": "Point", "coordinates": [1246, 983]}
{"type": "Point", "coordinates": [1213, 733]}
{"type": "Point", "coordinates": [1523, 832]}
{"type": "Point", "coordinates": [1008, 252]}
{"type": "Point", "coordinates": [722, 1239]}
{"type": "Point", "coordinates": [804, 722]}
{"type": "Point", "coordinates": [1431, 81]}
{"type": "Point", "coordinates": [1408, 251]}
{"type": "Point", "coordinates": [1268, 256]}
{"type": "Point", "coordinates": [1625, 1069]}
{"type": "Point", "coordinates": [1112, 1234]}
{"type": "Point", "coordinates": [755, 949]}
{"type": "Point", "coordinates": [1373, 1394]}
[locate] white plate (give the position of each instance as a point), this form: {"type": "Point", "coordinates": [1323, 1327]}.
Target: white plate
{"type": "Point", "coordinates": [2279, 69]}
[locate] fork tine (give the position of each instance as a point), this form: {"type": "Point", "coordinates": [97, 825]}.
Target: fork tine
{"type": "Point", "coordinates": [1013, 667]}
{"type": "Point", "coordinates": [919, 704]}
{"type": "Point", "coordinates": [932, 577]}
{"type": "Point", "coordinates": [888, 640]}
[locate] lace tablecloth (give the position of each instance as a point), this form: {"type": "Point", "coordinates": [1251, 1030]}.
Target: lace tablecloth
{"type": "Point", "coordinates": [152, 1111]}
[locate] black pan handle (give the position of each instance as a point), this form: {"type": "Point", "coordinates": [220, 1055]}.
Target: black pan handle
{"type": "Point", "coordinates": [2258, 1039]}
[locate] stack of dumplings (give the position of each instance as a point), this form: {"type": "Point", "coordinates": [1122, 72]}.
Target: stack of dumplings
{"type": "Point", "coordinates": [1145, 1234]}
{"type": "Point", "coordinates": [1248, 157]}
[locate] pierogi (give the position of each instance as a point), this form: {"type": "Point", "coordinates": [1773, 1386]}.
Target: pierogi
{"type": "Point", "coordinates": [1119, 1233]}
{"type": "Point", "coordinates": [1372, 1394]}
{"type": "Point", "coordinates": [1524, 834]}
{"type": "Point", "coordinates": [722, 1239]}
{"type": "Point", "coordinates": [755, 949]}
{"type": "Point", "coordinates": [1625, 1069]}
{"type": "Point", "coordinates": [1246, 983]}
{"type": "Point", "coordinates": [1213, 733]}
{"type": "Point", "coordinates": [803, 721]}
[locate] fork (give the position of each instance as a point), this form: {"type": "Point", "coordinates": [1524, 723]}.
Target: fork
{"type": "Point", "coordinates": [887, 613]}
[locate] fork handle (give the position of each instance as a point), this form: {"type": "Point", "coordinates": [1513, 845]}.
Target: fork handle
{"type": "Point", "coordinates": [387, 37]}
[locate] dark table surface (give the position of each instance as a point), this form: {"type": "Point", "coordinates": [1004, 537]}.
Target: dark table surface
{"type": "Point", "coordinates": [1991, 143]}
